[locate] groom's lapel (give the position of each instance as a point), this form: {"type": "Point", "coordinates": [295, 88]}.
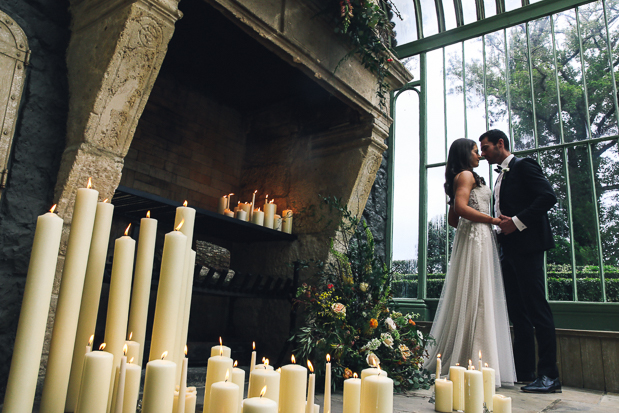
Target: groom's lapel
{"type": "Point", "coordinates": [505, 177]}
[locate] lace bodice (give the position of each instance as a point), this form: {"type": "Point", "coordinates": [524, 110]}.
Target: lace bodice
{"type": "Point", "coordinates": [480, 199]}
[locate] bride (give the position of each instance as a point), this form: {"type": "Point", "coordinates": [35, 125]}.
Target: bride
{"type": "Point", "coordinates": [472, 313]}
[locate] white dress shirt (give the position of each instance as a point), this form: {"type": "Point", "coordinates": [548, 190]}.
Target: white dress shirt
{"type": "Point", "coordinates": [497, 191]}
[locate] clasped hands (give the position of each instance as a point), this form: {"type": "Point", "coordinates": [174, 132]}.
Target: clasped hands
{"type": "Point", "coordinates": [507, 224]}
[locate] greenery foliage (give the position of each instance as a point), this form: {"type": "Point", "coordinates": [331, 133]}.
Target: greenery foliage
{"type": "Point", "coordinates": [349, 313]}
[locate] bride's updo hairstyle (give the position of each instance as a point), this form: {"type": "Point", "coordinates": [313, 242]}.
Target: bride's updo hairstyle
{"type": "Point", "coordinates": [458, 160]}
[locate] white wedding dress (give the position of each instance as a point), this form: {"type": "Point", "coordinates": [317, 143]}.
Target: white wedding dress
{"type": "Point", "coordinates": [472, 312]}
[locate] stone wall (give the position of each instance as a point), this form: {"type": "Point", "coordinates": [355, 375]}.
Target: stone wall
{"type": "Point", "coordinates": [38, 145]}
{"type": "Point", "coordinates": [375, 212]}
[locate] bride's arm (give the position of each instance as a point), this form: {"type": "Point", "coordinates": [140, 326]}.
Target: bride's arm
{"type": "Point", "coordinates": [464, 183]}
{"type": "Point", "coordinates": [452, 217]}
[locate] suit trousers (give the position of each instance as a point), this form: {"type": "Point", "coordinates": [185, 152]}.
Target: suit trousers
{"type": "Point", "coordinates": [530, 314]}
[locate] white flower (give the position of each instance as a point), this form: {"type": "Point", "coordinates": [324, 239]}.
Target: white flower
{"type": "Point", "coordinates": [372, 360]}
{"type": "Point", "coordinates": [364, 287]}
{"type": "Point", "coordinates": [387, 339]}
{"type": "Point", "coordinates": [390, 323]}
{"type": "Point", "coordinates": [339, 308]}
{"type": "Point", "coordinates": [371, 345]}
{"type": "Point", "coordinates": [420, 335]}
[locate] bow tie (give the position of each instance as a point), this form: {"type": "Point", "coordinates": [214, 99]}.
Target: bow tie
{"type": "Point", "coordinates": [498, 169]}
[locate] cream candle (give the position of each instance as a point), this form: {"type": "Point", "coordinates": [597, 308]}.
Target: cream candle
{"type": "Point", "coordinates": [438, 367]}
{"type": "Point", "coordinates": [309, 405]}
{"type": "Point", "coordinates": [229, 213]}
{"type": "Point", "coordinates": [260, 405]}
{"type": "Point", "coordinates": [252, 363]}
{"type": "Point", "coordinates": [246, 206]}
{"type": "Point", "coordinates": [96, 379]}
{"type": "Point", "coordinates": [258, 217]}
{"type": "Point", "coordinates": [91, 295]}
{"type": "Point", "coordinates": [473, 391]}
{"type": "Point", "coordinates": [315, 409]}
{"type": "Point", "coordinates": [241, 215]}
{"type": "Point", "coordinates": [502, 404]}
{"type": "Point", "coordinates": [159, 386]}
{"type": "Point", "coordinates": [22, 379]}
{"type": "Point", "coordinates": [69, 300]}
{"type": "Point", "coordinates": [182, 389]}
{"type": "Point", "coordinates": [287, 221]}
{"type": "Point", "coordinates": [377, 394]}
{"type": "Point", "coordinates": [133, 349]}
{"type": "Point", "coordinates": [220, 349]}
{"type": "Point", "coordinates": [372, 371]}
{"type": "Point", "coordinates": [327, 394]}
{"type": "Point", "coordinates": [259, 378]}
{"type": "Point", "coordinates": [352, 395]}
{"type": "Point", "coordinates": [140, 296]}
{"type": "Point", "coordinates": [489, 385]}
{"type": "Point", "coordinates": [269, 213]}
{"type": "Point", "coordinates": [190, 401]}
{"type": "Point", "coordinates": [238, 378]}
{"type": "Point", "coordinates": [120, 386]}
{"type": "Point", "coordinates": [222, 204]}
{"type": "Point", "coordinates": [215, 372]}
{"type": "Point", "coordinates": [293, 383]}
{"type": "Point", "coordinates": [456, 375]}
{"type": "Point", "coordinates": [168, 293]}
{"type": "Point", "coordinates": [480, 365]}
{"type": "Point", "coordinates": [251, 208]}
{"type": "Point", "coordinates": [224, 397]}
{"type": "Point", "coordinates": [132, 386]}
{"type": "Point", "coordinates": [443, 395]}
{"type": "Point", "coordinates": [188, 295]}
{"type": "Point", "coordinates": [277, 222]}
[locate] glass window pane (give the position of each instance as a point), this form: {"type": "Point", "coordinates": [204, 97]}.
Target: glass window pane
{"type": "Point", "coordinates": [412, 65]}
{"type": "Point", "coordinates": [454, 95]}
{"type": "Point", "coordinates": [450, 15]}
{"type": "Point", "coordinates": [475, 102]}
{"type": "Point", "coordinates": [489, 8]}
{"type": "Point", "coordinates": [496, 86]}
{"type": "Point", "coordinates": [430, 23]}
{"type": "Point", "coordinates": [469, 11]}
{"type": "Point", "coordinates": [612, 16]}
{"type": "Point", "coordinates": [520, 89]}
{"type": "Point", "coordinates": [512, 5]}
{"type": "Point", "coordinates": [406, 27]}
{"type": "Point", "coordinates": [436, 107]}
{"type": "Point", "coordinates": [437, 224]}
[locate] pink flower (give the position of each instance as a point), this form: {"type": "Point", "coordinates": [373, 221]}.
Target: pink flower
{"type": "Point", "coordinates": [339, 308]}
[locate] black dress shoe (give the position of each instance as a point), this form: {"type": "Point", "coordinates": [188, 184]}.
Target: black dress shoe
{"type": "Point", "coordinates": [543, 384]}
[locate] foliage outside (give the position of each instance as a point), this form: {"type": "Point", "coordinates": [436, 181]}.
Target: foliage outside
{"type": "Point", "coordinates": [349, 313]}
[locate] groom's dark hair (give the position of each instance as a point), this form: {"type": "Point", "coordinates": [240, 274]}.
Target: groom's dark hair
{"type": "Point", "coordinates": [494, 135]}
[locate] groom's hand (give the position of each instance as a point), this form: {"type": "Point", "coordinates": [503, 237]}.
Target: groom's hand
{"type": "Point", "coordinates": [507, 225]}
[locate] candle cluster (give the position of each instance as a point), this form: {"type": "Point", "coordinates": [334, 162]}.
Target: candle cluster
{"type": "Point", "coordinates": [266, 217]}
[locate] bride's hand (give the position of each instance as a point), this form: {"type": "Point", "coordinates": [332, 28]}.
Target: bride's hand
{"type": "Point", "coordinates": [496, 221]}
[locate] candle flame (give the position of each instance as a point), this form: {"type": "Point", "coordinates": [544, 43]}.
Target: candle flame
{"type": "Point", "coordinates": [105, 200]}
{"type": "Point", "coordinates": [229, 195]}
{"type": "Point", "coordinates": [125, 349]}
{"type": "Point", "coordinates": [470, 362]}
{"type": "Point", "coordinates": [263, 358]}
{"type": "Point", "coordinates": [354, 375]}
{"type": "Point", "coordinates": [220, 342]}
{"type": "Point", "coordinates": [164, 355]}
{"type": "Point", "coordinates": [185, 203]}
{"type": "Point", "coordinates": [91, 339]}
{"type": "Point", "coordinates": [439, 356]}
{"type": "Point", "coordinates": [266, 363]}
{"type": "Point", "coordinates": [53, 208]}
{"type": "Point", "coordinates": [310, 366]}
{"type": "Point", "coordinates": [180, 225]}
{"type": "Point", "coordinates": [255, 191]}
{"type": "Point", "coordinates": [328, 358]}
{"type": "Point", "coordinates": [457, 364]}
{"type": "Point", "coordinates": [253, 345]}
{"type": "Point", "coordinates": [89, 183]}
{"type": "Point", "coordinates": [127, 230]}
{"type": "Point", "coordinates": [271, 201]}
{"type": "Point", "coordinates": [130, 335]}
{"type": "Point", "coordinates": [185, 349]}
{"type": "Point", "coordinates": [102, 346]}
{"type": "Point", "coordinates": [480, 354]}
{"type": "Point", "coordinates": [227, 375]}
{"type": "Point", "coordinates": [131, 361]}
{"type": "Point", "coordinates": [221, 351]}
{"type": "Point", "coordinates": [472, 367]}
{"type": "Point", "coordinates": [236, 363]}
{"type": "Point", "coordinates": [374, 362]}
{"type": "Point", "coordinates": [148, 214]}
{"type": "Point", "coordinates": [294, 361]}
{"type": "Point", "coordinates": [486, 364]}
{"type": "Point", "coordinates": [279, 370]}
{"type": "Point", "coordinates": [263, 391]}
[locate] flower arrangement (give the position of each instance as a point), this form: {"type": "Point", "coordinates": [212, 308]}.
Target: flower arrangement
{"type": "Point", "coordinates": [349, 314]}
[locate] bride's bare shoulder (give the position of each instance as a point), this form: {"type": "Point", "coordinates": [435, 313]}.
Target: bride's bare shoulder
{"type": "Point", "coordinates": [464, 178]}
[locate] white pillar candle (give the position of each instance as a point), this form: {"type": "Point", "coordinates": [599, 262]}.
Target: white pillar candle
{"type": "Point", "coordinates": [142, 280]}
{"type": "Point", "coordinates": [287, 221]}
{"type": "Point", "coordinates": [327, 394]}
{"type": "Point", "coordinates": [91, 295]}
{"type": "Point", "coordinates": [159, 386]}
{"type": "Point", "coordinates": [372, 371]}
{"type": "Point", "coordinates": [316, 408]}
{"type": "Point", "coordinates": [120, 386]}
{"type": "Point", "coordinates": [277, 222]}
{"type": "Point", "coordinates": [258, 378]}
{"type": "Point", "coordinates": [456, 375]}
{"type": "Point", "coordinates": [69, 301]}
{"type": "Point", "coordinates": [22, 379]}
{"type": "Point", "coordinates": [260, 405]}
{"type": "Point", "coordinates": [258, 217]}
{"type": "Point", "coordinates": [502, 404]}
{"type": "Point", "coordinates": [238, 378]}
{"type": "Point", "coordinates": [240, 214]}
{"type": "Point", "coordinates": [190, 401]}
{"type": "Point", "coordinates": [377, 394]}
{"type": "Point", "coordinates": [293, 383]}
{"type": "Point", "coordinates": [215, 372]}
{"type": "Point", "coordinates": [443, 395]}
{"type": "Point", "coordinates": [96, 378]}
{"type": "Point", "coordinates": [132, 387]}
{"type": "Point", "coordinates": [352, 395]}
{"type": "Point", "coordinates": [222, 204]}
{"type": "Point", "coordinates": [133, 350]}
{"type": "Point", "coordinates": [220, 350]}
{"type": "Point", "coordinates": [269, 214]}
{"type": "Point", "coordinates": [182, 389]}
{"type": "Point", "coordinates": [168, 293]}
{"type": "Point", "coordinates": [224, 398]}
{"type": "Point", "coordinates": [489, 386]}
{"type": "Point", "coordinates": [438, 367]}
{"type": "Point", "coordinates": [229, 213]}
{"type": "Point", "coordinates": [264, 366]}
{"type": "Point", "coordinates": [473, 391]}
{"type": "Point", "coordinates": [246, 206]}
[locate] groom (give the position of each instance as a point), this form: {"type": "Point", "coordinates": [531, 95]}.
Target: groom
{"type": "Point", "coordinates": [523, 196]}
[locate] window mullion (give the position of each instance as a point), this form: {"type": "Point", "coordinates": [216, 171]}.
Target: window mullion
{"type": "Point", "coordinates": [532, 85]}
{"type": "Point", "coordinates": [610, 62]}
{"type": "Point", "coordinates": [598, 237]}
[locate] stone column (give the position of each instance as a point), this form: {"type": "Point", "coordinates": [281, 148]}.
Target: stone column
{"type": "Point", "coordinates": [114, 56]}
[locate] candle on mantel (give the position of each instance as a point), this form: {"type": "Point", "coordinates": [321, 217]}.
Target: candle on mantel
{"type": "Point", "coordinates": [269, 213]}
{"type": "Point", "coordinates": [502, 404]}
{"type": "Point", "coordinates": [229, 199]}
{"type": "Point", "coordinates": [96, 379]}
{"type": "Point", "coordinates": [277, 222]}
{"type": "Point", "coordinates": [377, 394]}
{"type": "Point", "coordinates": [159, 386]}
{"type": "Point", "coordinates": [260, 404]}
{"type": "Point", "coordinates": [222, 204]}
{"type": "Point", "coordinates": [215, 372]}
{"type": "Point", "coordinates": [140, 296]}
{"type": "Point", "coordinates": [327, 401]}
{"type": "Point", "coordinates": [133, 348]}
{"type": "Point", "coordinates": [258, 217]}
{"type": "Point", "coordinates": [229, 213]}
{"type": "Point", "coordinates": [287, 221]}
{"type": "Point", "coordinates": [238, 377]}
{"type": "Point", "coordinates": [132, 386]}
{"type": "Point", "coordinates": [261, 377]}
{"type": "Point", "coordinates": [473, 391]}
{"type": "Point", "coordinates": [224, 396]}
{"type": "Point", "coordinates": [489, 385]}
{"type": "Point", "coordinates": [241, 215]}
{"type": "Point", "coordinates": [220, 349]}
{"type": "Point", "coordinates": [89, 307]}
{"type": "Point", "coordinates": [251, 209]}
{"type": "Point", "coordinates": [64, 332]}
{"type": "Point", "coordinates": [309, 405]}
{"type": "Point", "coordinates": [443, 395]}
{"type": "Point", "coordinates": [293, 383]}
{"type": "Point", "coordinates": [352, 394]}
{"type": "Point", "coordinates": [246, 206]}
{"type": "Point", "coordinates": [22, 379]}
{"type": "Point", "coordinates": [456, 375]}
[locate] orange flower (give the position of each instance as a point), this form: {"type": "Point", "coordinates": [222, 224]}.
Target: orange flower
{"type": "Point", "coordinates": [347, 373]}
{"type": "Point", "coordinates": [411, 322]}
{"type": "Point", "coordinates": [373, 323]}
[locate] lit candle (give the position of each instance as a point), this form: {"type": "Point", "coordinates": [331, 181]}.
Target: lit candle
{"type": "Point", "coordinates": [120, 384]}
{"type": "Point", "coordinates": [352, 395]}
{"type": "Point", "coordinates": [229, 199]}
{"type": "Point", "coordinates": [222, 205]}
{"type": "Point", "coordinates": [480, 365]}
{"type": "Point", "coordinates": [224, 396]}
{"type": "Point", "coordinates": [293, 383]}
{"type": "Point", "coordinates": [133, 349]}
{"type": "Point", "coordinates": [247, 207]}
{"type": "Point", "coordinates": [159, 386]}
{"type": "Point", "coordinates": [132, 386]}
{"type": "Point", "coordinates": [327, 401]}
{"type": "Point", "coordinates": [190, 400]}
{"type": "Point", "coordinates": [180, 403]}
{"type": "Point", "coordinates": [229, 213]}
{"type": "Point", "coordinates": [502, 404]}
{"type": "Point", "coordinates": [287, 221]}
{"type": "Point", "coordinates": [309, 406]}
{"type": "Point", "coordinates": [140, 295]}
{"type": "Point", "coordinates": [238, 378]}
{"type": "Point", "coordinates": [96, 379]}
{"type": "Point", "coordinates": [269, 213]}
{"type": "Point", "coordinates": [443, 394]}
{"type": "Point", "coordinates": [22, 379]}
{"type": "Point", "coordinates": [252, 364]}
{"type": "Point", "coordinates": [168, 293]}
{"type": "Point", "coordinates": [253, 202]}
{"type": "Point", "coordinates": [261, 377]}
{"type": "Point", "coordinates": [473, 391]}
{"type": "Point", "coordinates": [215, 372]}
{"type": "Point", "coordinates": [438, 367]}
{"type": "Point", "coordinates": [69, 300]}
{"type": "Point", "coordinates": [372, 371]}
{"type": "Point", "coordinates": [240, 214]}
{"type": "Point", "coordinates": [91, 295]}
{"type": "Point", "coordinates": [277, 222]}
{"type": "Point", "coordinates": [456, 375]}
{"type": "Point", "coordinates": [264, 365]}
{"type": "Point", "coordinates": [260, 405]}
{"type": "Point", "coordinates": [188, 295]}
{"type": "Point", "coordinates": [377, 394]}
{"type": "Point", "coordinates": [258, 217]}
{"type": "Point", "coordinates": [489, 385]}
{"type": "Point", "coordinates": [220, 349]}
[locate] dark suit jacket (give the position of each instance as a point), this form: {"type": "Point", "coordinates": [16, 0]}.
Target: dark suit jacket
{"type": "Point", "coordinates": [527, 194]}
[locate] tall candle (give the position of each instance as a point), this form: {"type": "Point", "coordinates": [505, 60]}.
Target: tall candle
{"type": "Point", "coordinates": [269, 214]}
{"type": "Point", "coordinates": [140, 295]}
{"type": "Point", "coordinates": [188, 295]}
{"type": "Point", "coordinates": [438, 367]}
{"type": "Point", "coordinates": [168, 293]}
{"type": "Point", "coordinates": [224, 398]}
{"type": "Point", "coordinates": [287, 221]}
{"type": "Point", "coordinates": [258, 378]}
{"type": "Point", "coordinates": [327, 397]}
{"type": "Point", "coordinates": [159, 386]}
{"type": "Point", "coordinates": [443, 391]}
{"type": "Point", "coordinates": [69, 300]}
{"type": "Point", "coordinates": [180, 403]}
{"type": "Point", "coordinates": [251, 209]}
{"type": "Point", "coordinates": [120, 386]}
{"type": "Point", "coordinates": [352, 395]}
{"type": "Point", "coordinates": [238, 378]}
{"type": "Point", "coordinates": [252, 363]}
{"type": "Point", "coordinates": [456, 375]}
{"type": "Point", "coordinates": [89, 306]}
{"type": "Point", "coordinates": [293, 383]}
{"type": "Point", "coordinates": [260, 405]}
{"type": "Point", "coordinates": [22, 379]}
{"type": "Point", "coordinates": [377, 394]}
{"type": "Point", "coordinates": [222, 204]}
{"type": "Point", "coordinates": [96, 378]}
{"type": "Point", "coordinates": [277, 222]}
{"type": "Point", "coordinates": [215, 372]}
{"type": "Point", "coordinates": [489, 386]}
{"type": "Point", "coordinates": [473, 391]}
{"type": "Point", "coordinates": [309, 405]}
{"type": "Point", "coordinates": [480, 365]}
{"type": "Point", "coordinates": [132, 387]}
{"type": "Point", "coordinates": [258, 217]}
{"type": "Point", "coordinates": [502, 404]}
